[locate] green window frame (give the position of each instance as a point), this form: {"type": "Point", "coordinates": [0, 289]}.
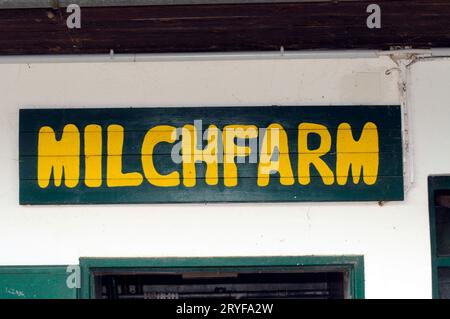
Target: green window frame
{"type": "Point", "coordinates": [353, 264]}
{"type": "Point", "coordinates": [35, 282]}
{"type": "Point", "coordinates": [435, 183]}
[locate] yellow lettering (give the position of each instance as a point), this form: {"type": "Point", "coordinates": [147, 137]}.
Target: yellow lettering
{"type": "Point", "coordinates": [59, 157]}
{"type": "Point", "coordinates": [93, 155]}
{"type": "Point", "coordinates": [306, 157]}
{"type": "Point", "coordinates": [191, 154]}
{"type": "Point", "coordinates": [114, 175]}
{"type": "Point", "coordinates": [361, 155]}
{"type": "Point", "coordinates": [156, 135]}
{"type": "Point", "coordinates": [230, 133]}
{"type": "Point", "coordinates": [275, 138]}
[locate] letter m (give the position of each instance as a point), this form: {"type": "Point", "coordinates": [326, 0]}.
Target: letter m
{"type": "Point", "coordinates": [361, 156]}
{"type": "Point", "coordinates": [60, 157]}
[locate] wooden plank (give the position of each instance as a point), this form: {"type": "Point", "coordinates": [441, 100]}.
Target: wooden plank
{"type": "Point", "coordinates": [226, 27]}
{"type": "Point", "coordinates": [165, 165]}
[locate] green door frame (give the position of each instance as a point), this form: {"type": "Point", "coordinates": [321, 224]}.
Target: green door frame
{"type": "Point", "coordinates": [436, 182]}
{"type": "Point", "coordinates": [353, 264]}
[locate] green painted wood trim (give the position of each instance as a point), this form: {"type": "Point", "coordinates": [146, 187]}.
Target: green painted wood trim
{"type": "Point", "coordinates": [443, 262]}
{"type": "Point", "coordinates": [354, 264]}
{"type": "Point", "coordinates": [436, 182]}
{"type": "Point", "coordinates": [35, 282]}
{"type": "Point", "coordinates": [432, 221]}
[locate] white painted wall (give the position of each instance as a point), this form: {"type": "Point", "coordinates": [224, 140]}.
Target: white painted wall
{"type": "Point", "coordinates": [394, 238]}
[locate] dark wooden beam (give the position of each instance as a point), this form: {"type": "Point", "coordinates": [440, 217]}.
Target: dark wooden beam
{"type": "Point", "coordinates": [226, 28]}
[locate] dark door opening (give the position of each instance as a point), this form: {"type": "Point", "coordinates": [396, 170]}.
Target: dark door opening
{"type": "Point", "coordinates": [439, 205]}
{"type": "Point", "coordinates": [218, 284]}
{"type": "Point", "coordinates": [442, 239]}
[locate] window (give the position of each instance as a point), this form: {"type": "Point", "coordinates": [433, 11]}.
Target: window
{"type": "Point", "coordinates": [236, 278]}
{"type": "Point", "coordinates": [439, 201]}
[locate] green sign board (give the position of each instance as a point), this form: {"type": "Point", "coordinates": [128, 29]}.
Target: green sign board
{"type": "Point", "coordinates": [210, 154]}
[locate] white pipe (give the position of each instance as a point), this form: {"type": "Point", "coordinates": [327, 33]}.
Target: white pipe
{"type": "Point", "coordinates": [408, 159]}
{"type": "Point", "coordinates": [409, 114]}
{"type": "Point", "coordinates": [214, 56]}
{"type": "Point", "coordinates": [419, 52]}
{"type": "Point", "coordinates": [161, 57]}
{"type": "Point", "coordinates": [440, 52]}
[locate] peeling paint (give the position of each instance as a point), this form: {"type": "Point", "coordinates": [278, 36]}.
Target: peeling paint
{"type": "Point", "coordinates": [14, 292]}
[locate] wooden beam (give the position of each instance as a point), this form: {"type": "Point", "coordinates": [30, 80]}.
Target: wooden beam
{"type": "Point", "coordinates": [226, 28]}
